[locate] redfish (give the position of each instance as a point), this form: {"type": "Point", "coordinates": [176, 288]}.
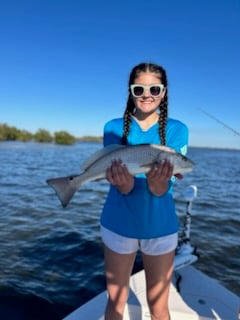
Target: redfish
{"type": "Point", "coordinates": [137, 158]}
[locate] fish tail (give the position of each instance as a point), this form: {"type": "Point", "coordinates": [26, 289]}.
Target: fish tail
{"type": "Point", "coordinates": [65, 188]}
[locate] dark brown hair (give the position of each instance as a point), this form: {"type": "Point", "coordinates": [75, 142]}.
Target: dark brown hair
{"type": "Point", "coordinates": [163, 107]}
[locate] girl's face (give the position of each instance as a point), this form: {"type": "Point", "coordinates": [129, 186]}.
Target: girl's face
{"type": "Point", "coordinates": [148, 102]}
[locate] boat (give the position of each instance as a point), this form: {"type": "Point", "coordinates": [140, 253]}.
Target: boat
{"type": "Point", "coordinates": [193, 294]}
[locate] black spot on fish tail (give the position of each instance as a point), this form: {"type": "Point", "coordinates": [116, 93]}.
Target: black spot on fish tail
{"type": "Point", "coordinates": [63, 188]}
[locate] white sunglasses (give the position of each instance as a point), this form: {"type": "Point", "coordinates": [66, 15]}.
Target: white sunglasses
{"type": "Point", "coordinates": [138, 90]}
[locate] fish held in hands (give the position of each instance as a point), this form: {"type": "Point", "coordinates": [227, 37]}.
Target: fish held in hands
{"type": "Point", "coordinates": [137, 158]}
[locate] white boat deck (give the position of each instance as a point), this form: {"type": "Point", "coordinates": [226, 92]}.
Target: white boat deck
{"type": "Point", "coordinates": [200, 298]}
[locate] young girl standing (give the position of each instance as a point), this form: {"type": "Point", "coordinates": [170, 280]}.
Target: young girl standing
{"type": "Point", "coordinates": [139, 212]}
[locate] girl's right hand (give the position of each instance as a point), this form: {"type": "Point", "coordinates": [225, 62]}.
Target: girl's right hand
{"type": "Point", "coordinates": [118, 175]}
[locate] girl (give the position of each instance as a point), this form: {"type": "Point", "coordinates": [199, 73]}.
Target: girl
{"type": "Point", "coordinates": [139, 212]}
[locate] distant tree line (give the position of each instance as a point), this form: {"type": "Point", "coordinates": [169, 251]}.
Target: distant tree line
{"type": "Point", "coordinates": [10, 133]}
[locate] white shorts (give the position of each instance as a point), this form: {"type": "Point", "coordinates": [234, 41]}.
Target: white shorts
{"type": "Point", "coordinates": [124, 245]}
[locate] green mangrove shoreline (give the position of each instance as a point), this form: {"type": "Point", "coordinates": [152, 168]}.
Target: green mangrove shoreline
{"type": "Point", "coordinates": [11, 133]}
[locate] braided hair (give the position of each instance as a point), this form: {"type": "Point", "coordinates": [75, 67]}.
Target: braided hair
{"type": "Point", "coordinates": [163, 107]}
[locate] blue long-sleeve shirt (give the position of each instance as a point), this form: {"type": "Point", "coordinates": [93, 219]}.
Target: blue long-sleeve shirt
{"type": "Point", "coordinates": [140, 214]}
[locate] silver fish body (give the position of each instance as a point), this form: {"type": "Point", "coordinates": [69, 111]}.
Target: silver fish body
{"type": "Point", "coordinates": [137, 158]}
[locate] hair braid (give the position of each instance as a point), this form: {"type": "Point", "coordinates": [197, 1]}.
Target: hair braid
{"type": "Point", "coordinates": [127, 120]}
{"type": "Point", "coordinates": [163, 116]}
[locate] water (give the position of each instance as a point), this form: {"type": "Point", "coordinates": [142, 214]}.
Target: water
{"type": "Point", "coordinates": [51, 259]}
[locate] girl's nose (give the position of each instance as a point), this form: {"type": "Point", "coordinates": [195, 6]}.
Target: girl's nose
{"type": "Point", "coordinates": [146, 93]}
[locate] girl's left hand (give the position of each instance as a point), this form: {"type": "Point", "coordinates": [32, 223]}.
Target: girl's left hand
{"type": "Point", "coordinates": [158, 177]}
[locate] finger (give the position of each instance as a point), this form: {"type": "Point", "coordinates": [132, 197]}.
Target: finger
{"type": "Point", "coordinates": [165, 170]}
{"type": "Point", "coordinates": [109, 175]}
{"type": "Point", "coordinates": [119, 172]}
{"type": "Point", "coordinates": [117, 168]}
{"type": "Point", "coordinates": [113, 168]}
{"type": "Point", "coordinates": [161, 168]}
{"type": "Point", "coordinates": [152, 172]}
{"type": "Point", "coordinates": [125, 171]}
{"type": "Point", "coordinates": [168, 171]}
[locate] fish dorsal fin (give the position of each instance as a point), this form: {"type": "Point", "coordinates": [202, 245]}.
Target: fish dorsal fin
{"type": "Point", "coordinates": [100, 154]}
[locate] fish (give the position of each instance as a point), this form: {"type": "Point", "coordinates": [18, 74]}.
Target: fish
{"type": "Point", "coordinates": [137, 158]}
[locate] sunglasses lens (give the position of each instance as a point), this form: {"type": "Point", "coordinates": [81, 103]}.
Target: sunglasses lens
{"type": "Point", "coordinates": [138, 91]}
{"type": "Point", "coordinates": [155, 90]}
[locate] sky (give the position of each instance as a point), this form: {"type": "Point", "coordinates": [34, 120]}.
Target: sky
{"type": "Point", "coordinates": [64, 64]}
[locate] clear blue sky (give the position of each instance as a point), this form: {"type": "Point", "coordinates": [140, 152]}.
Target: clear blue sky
{"type": "Point", "coordinates": [64, 64]}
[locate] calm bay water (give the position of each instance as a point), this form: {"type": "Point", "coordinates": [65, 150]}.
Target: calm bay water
{"type": "Point", "coordinates": [51, 259]}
